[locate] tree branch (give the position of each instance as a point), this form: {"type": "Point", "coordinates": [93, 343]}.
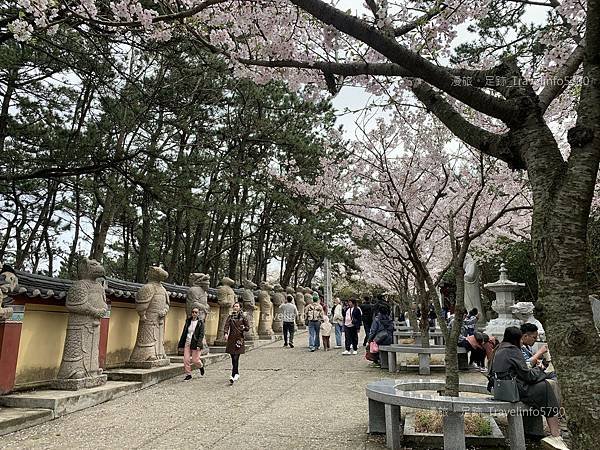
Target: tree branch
{"type": "Point", "coordinates": [553, 89]}
{"type": "Point", "coordinates": [418, 66]}
{"type": "Point", "coordinates": [489, 143]}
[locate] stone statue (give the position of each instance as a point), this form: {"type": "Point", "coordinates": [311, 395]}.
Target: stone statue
{"type": "Point", "coordinates": [197, 295]}
{"type": "Point", "coordinates": [308, 297]}
{"type": "Point", "coordinates": [152, 305]}
{"type": "Point", "coordinates": [8, 283]}
{"type": "Point", "coordinates": [86, 303]}
{"type": "Point", "coordinates": [596, 310]}
{"type": "Point", "coordinates": [472, 289]}
{"type": "Point", "coordinates": [265, 321]}
{"type": "Point", "coordinates": [249, 305]}
{"type": "Point", "coordinates": [278, 298]}
{"type": "Point", "coordinates": [523, 311]}
{"type": "Point", "coordinates": [299, 299]}
{"type": "Point", "coordinates": [226, 298]}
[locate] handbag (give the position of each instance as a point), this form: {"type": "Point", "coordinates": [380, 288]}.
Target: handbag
{"type": "Point", "coordinates": [370, 356]}
{"type": "Point", "coordinates": [374, 347]}
{"type": "Point", "coordinates": [506, 390]}
{"type": "Point", "coordinates": [381, 336]}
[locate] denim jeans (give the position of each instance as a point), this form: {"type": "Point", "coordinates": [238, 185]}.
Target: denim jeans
{"type": "Point", "coordinates": [338, 334]}
{"type": "Point", "coordinates": [314, 328]}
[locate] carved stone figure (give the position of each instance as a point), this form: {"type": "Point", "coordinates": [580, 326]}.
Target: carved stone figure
{"type": "Point", "coordinates": [299, 299]}
{"type": "Point", "coordinates": [8, 283]}
{"type": "Point", "coordinates": [226, 298]}
{"type": "Point", "coordinates": [265, 330]}
{"type": "Point", "coordinates": [523, 311]}
{"type": "Point", "coordinates": [249, 305]}
{"type": "Point", "coordinates": [278, 298]}
{"type": "Point", "coordinates": [152, 305]}
{"type": "Point", "coordinates": [197, 295]}
{"type": "Point", "coordinates": [596, 310]}
{"type": "Point", "coordinates": [86, 303]}
{"type": "Point", "coordinates": [308, 296]}
{"type": "Point", "coordinates": [472, 289]}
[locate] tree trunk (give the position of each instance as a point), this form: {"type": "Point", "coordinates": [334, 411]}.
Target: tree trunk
{"type": "Point", "coordinates": [73, 250]}
{"type": "Point", "coordinates": [562, 199]}
{"type": "Point", "coordinates": [144, 243]}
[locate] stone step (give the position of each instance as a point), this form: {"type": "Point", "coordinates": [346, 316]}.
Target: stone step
{"type": "Point", "coordinates": [145, 377]}
{"type": "Point", "coordinates": [15, 419]}
{"type": "Point", "coordinates": [206, 360]}
{"type": "Point", "coordinates": [66, 402]}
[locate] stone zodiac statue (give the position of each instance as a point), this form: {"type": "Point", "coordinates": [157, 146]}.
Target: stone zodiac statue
{"type": "Point", "coordinates": [299, 299]}
{"type": "Point", "coordinates": [197, 295]}
{"type": "Point", "coordinates": [265, 330]}
{"type": "Point", "coordinates": [8, 283]}
{"type": "Point", "coordinates": [249, 305]}
{"type": "Point", "coordinates": [226, 298]}
{"type": "Point", "coordinates": [86, 303]}
{"type": "Point", "coordinates": [152, 305]}
{"type": "Point", "coordinates": [278, 298]}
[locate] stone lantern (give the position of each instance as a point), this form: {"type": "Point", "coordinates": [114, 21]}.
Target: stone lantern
{"type": "Point", "coordinates": [505, 299]}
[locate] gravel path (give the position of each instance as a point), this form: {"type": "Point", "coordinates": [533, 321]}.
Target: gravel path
{"type": "Point", "coordinates": [285, 398]}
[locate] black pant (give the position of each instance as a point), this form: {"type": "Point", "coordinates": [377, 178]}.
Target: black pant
{"type": "Point", "coordinates": [235, 362]}
{"type": "Point", "coordinates": [288, 330]}
{"type": "Point", "coordinates": [367, 326]}
{"type": "Point", "coordinates": [477, 354]}
{"type": "Point", "coordinates": [351, 336]}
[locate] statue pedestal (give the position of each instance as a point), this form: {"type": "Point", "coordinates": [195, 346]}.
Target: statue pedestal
{"type": "Point", "coordinates": [149, 364]}
{"type": "Point", "coordinates": [265, 336]}
{"type": "Point", "coordinates": [76, 384]}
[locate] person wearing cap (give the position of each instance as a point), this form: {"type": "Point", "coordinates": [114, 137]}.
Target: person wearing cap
{"type": "Point", "coordinates": [314, 317]}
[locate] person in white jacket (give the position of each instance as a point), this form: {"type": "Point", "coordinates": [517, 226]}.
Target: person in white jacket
{"type": "Point", "coordinates": [338, 321]}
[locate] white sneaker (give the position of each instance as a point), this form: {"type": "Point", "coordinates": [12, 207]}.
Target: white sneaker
{"type": "Point", "coordinates": [354, 352]}
{"type": "Point", "coordinates": [338, 346]}
{"type": "Point", "coordinates": [231, 380]}
{"type": "Point", "coordinates": [236, 377]}
{"type": "Point", "coordinates": [345, 352]}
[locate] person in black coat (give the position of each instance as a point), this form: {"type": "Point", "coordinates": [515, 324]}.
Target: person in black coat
{"type": "Point", "coordinates": [367, 317]}
{"type": "Point", "coordinates": [190, 341]}
{"type": "Point", "coordinates": [352, 321]}
{"type": "Point", "coordinates": [533, 383]}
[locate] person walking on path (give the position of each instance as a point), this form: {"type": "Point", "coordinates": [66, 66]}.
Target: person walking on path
{"type": "Point", "coordinates": [314, 317]}
{"type": "Point", "coordinates": [326, 333]}
{"type": "Point", "coordinates": [235, 325]}
{"type": "Point", "coordinates": [367, 317]}
{"type": "Point", "coordinates": [338, 321]}
{"type": "Point", "coordinates": [288, 312]}
{"type": "Point", "coordinates": [191, 343]}
{"type": "Point", "coordinates": [352, 321]}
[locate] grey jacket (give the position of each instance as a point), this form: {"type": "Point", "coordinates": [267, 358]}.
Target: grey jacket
{"type": "Point", "coordinates": [288, 312]}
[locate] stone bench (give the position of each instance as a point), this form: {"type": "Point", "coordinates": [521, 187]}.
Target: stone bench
{"type": "Point", "coordinates": [437, 336]}
{"type": "Point", "coordinates": [387, 397]}
{"type": "Point", "coordinates": [387, 356]}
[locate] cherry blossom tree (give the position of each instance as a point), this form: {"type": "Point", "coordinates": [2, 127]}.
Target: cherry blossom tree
{"type": "Point", "coordinates": [420, 208]}
{"type": "Point", "coordinates": [509, 94]}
